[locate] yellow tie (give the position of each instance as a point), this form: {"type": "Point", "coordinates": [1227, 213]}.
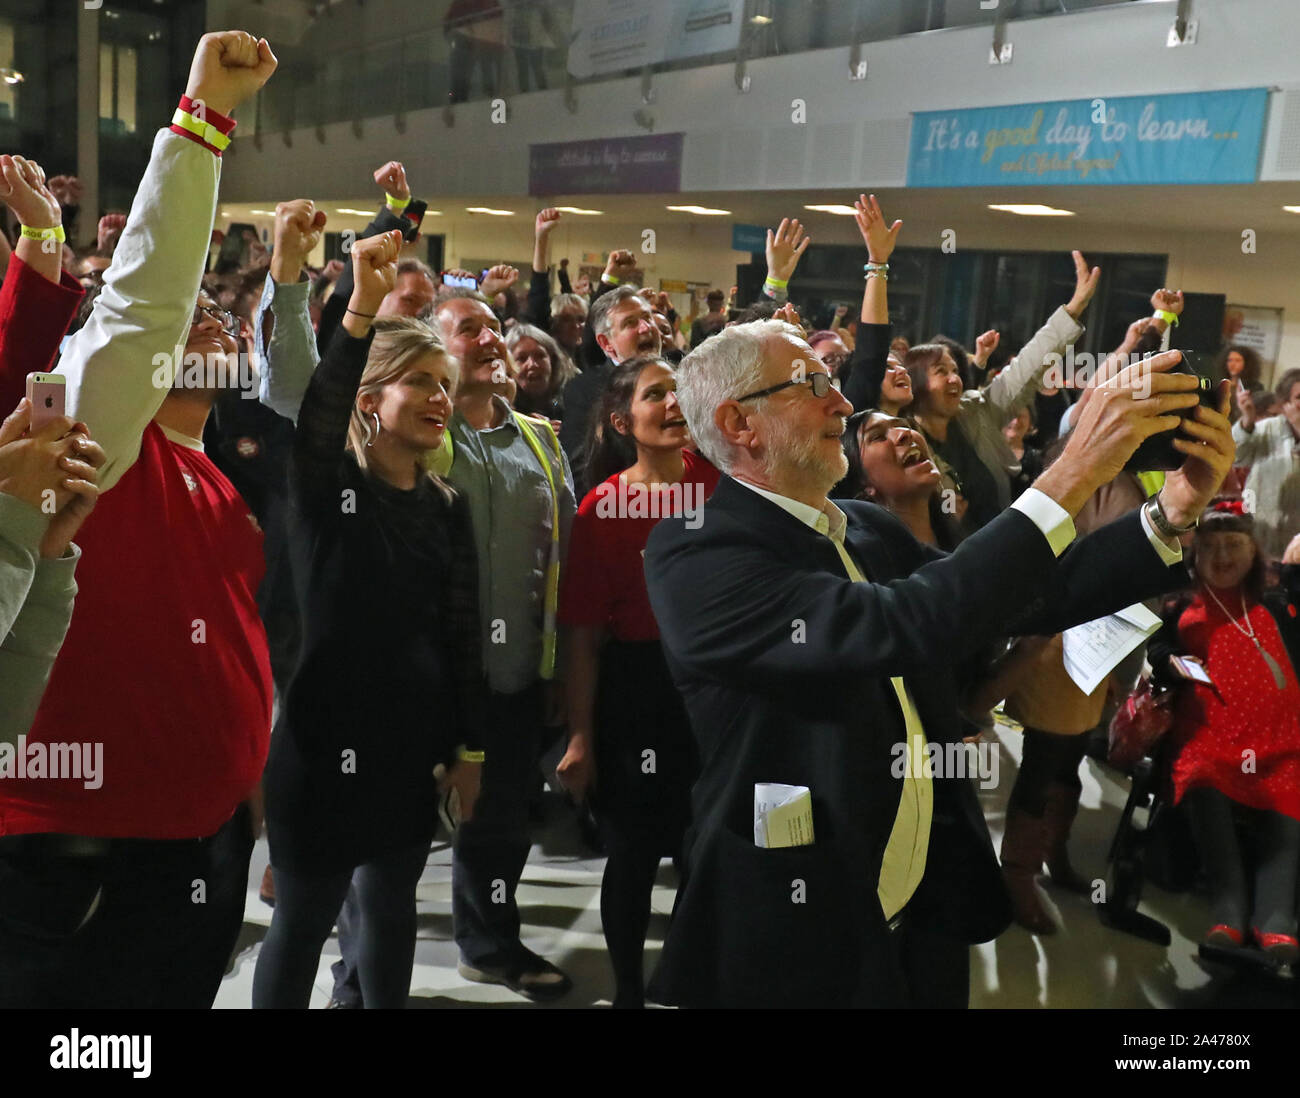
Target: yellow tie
{"type": "Point", "coordinates": [904, 862]}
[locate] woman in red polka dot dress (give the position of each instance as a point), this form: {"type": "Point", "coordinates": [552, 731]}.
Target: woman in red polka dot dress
{"type": "Point", "coordinates": [1237, 741]}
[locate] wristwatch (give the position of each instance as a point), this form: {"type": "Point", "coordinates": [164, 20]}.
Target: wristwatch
{"type": "Point", "coordinates": [1156, 513]}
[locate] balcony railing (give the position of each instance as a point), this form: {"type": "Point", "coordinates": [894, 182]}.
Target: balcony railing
{"type": "Point", "coordinates": [463, 50]}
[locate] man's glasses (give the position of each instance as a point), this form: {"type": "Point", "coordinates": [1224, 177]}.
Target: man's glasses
{"type": "Point", "coordinates": [228, 321]}
{"type": "Point", "coordinates": [821, 385]}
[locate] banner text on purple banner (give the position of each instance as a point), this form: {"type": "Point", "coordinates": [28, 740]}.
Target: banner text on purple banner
{"type": "Point", "coordinates": [609, 165]}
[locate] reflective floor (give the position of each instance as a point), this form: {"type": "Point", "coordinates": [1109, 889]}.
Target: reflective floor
{"type": "Point", "coordinates": [1083, 965]}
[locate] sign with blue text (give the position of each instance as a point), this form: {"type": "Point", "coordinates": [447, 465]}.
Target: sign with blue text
{"type": "Point", "coordinates": [1201, 137]}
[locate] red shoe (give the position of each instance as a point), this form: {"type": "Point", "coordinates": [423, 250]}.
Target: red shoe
{"type": "Point", "coordinates": [1283, 948]}
{"type": "Point", "coordinates": [1223, 935]}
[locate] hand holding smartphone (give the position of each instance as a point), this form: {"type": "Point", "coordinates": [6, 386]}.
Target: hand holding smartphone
{"type": "Point", "coordinates": [47, 394]}
{"type": "Point", "coordinates": [1190, 668]}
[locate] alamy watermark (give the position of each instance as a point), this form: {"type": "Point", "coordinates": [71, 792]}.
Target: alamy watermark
{"type": "Point", "coordinates": [83, 762]}
{"type": "Point", "coordinates": [1078, 370]}
{"type": "Point", "coordinates": [194, 370]}
{"type": "Point", "coordinates": [949, 760]}
{"type": "Point", "coordinates": [642, 501]}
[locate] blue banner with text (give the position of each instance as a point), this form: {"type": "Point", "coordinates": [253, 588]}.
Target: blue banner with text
{"type": "Point", "coordinates": [1202, 137]}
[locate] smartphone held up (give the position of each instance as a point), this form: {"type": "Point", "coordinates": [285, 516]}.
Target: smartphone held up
{"type": "Point", "coordinates": [47, 395]}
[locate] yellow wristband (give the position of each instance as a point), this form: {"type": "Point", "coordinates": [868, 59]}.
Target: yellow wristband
{"type": "Point", "coordinates": [397, 205]}
{"type": "Point", "coordinates": [776, 283]}
{"type": "Point", "coordinates": [467, 756]}
{"type": "Point", "coordinates": [1169, 318]}
{"type": "Point", "coordinates": [611, 280]}
{"type": "Point", "coordinates": [204, 131]}
{"type": "Point", "coordinates": [54, 233]}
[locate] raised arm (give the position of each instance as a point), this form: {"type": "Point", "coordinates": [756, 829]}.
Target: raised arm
{"type": "Point", "coordinates": [287, 359]}
{"type": "Point", "coordinates": [784, 249]}
{"type": "Point", "coordinates": [38, 299]}
{"type": "Point", "coordinates": [24, 190]}
{"type": "Point", "coordinates": [397, 196]}
{"type": "Point", "coordinates": [1256, 439]}
{"type": "Point", "coordinates": [870, 358]}
{"type": "Point", "coordinates": [322, 432]}
{"type": "Point", "coordinates": [1015, 386]}
{"type": "Point", "coordinates": [537, 308]}
{"type": "Point", "coordinates": [140, 320]}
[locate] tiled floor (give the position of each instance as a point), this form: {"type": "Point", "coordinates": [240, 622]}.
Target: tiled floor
{"type": "Point", "coordinates": [1084, 965]}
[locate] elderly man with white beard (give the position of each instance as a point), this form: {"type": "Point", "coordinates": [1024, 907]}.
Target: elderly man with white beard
{"type": "Point", "coordinates": [809, 640]}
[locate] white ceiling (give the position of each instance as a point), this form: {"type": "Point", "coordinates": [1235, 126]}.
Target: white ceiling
{"type": "Point", "coordinates": [1182, 208]}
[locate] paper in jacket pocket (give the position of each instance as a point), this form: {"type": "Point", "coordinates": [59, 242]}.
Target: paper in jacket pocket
{"type": "Point", "coordinates": [782, 815]}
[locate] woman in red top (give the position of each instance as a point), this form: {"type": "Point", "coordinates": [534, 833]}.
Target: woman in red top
{"type": "Point", "coordinates": [630, 742]}
{"type": "Point", "coordinates": [1238, 742]}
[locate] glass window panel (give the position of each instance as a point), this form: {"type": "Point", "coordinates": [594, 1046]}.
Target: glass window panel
{"type": "Point", "coordinates": [126, 88]}
{"type": "Point", "coordinates": [8, 92]}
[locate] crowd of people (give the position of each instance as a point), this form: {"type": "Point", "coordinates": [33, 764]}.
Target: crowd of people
{"type": "Point", "coordinates": [363, 589]}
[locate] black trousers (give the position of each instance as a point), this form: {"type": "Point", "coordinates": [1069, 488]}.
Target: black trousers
{"type": "Point", "coordinates": [143, 923]}
{"type": "Point", "coordinates": [936, 968]}
{"type": "Point", "coordinates": [382, 933]}
{"type": "Point", "coordinates": [488, 853]}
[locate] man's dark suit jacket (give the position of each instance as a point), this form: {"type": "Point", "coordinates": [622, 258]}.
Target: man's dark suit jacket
{"type": "Point", "coordinates": [784, 665]}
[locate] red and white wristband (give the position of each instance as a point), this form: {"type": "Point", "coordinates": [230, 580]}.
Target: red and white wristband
{"type": "Point", "coordinates": [202, 124]}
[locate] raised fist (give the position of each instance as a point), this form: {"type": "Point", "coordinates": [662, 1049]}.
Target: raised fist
{"type": "Point", "coordinates": [501, 277]}
{"type": "Point", "coordinates": [374, 268]}
{"type": "Point", "coordinates": [621, 264]}
{"type": "Point", "coordinates": [986, 344]}
{"type": "Point", "coordinates": [67, 189]}
{"type": "Point", "coordinates": [546, 221]}
{"type": "Point", "coordinates": [110, 229]}
{"type": "Point", "coordinates": [392, 177]}
{"type": "Point", "coordinates": [1170, 301]}
{"type": "Point", "coordinates": [228, 67]}
{"type": "Point", "coordinates": [23, 189]}
{"type": "Point", "coordinates": [298, 225]}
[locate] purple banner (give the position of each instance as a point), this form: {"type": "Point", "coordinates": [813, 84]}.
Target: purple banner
{"type": "Point", "coordinates": [610, 165]}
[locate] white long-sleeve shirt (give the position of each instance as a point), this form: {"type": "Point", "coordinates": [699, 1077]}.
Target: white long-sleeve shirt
{"type": "Point", "coordinates": [135, 337]}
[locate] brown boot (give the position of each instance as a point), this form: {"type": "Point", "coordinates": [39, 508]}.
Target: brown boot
{"type": "Point", "coordinates": [267, 892]}
{"type": "Point", "coordinates": [1023, 845]}
{"type": "Point", "coordinates": [1062, 806]}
